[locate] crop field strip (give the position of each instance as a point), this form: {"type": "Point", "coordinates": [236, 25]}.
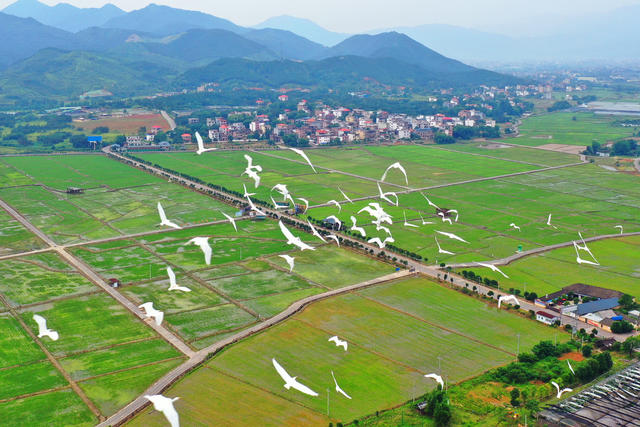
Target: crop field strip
{"type": "Point", "coordinates": [379, 369]}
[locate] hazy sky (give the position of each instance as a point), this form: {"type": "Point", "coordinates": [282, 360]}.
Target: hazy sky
{"type": "Point", "coordinates": [359, 15]}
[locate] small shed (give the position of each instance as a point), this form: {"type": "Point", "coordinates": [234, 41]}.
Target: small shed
{"type": "Point", "coordinates": [114, 283]}
{"type": "Point", "coordinates": [74, 190]}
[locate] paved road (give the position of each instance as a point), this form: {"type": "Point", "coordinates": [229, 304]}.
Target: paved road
{"type": "Point", "coordinates": [162, 384]}
{"type": "Point", "coordinates": [97, 280]}
{"type": "Point", "coordinates": [169, 119]}
{"type": "Point", "coordinates": [508, 260]}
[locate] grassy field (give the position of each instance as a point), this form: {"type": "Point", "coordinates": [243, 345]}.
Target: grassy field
{"type": "Point", "coordinates": [382, 367]}
{"type": "Point", "coordinates": [562, 129]}
{"type": "Point", "coordinates": [38, 278]}
{"type": "Point", "coordinates": [14, 238]}
{"type": "Point", "coordinates": [619, 269]}
{"type": "Point", "coordinates": [59, 409]}
{"type": "Point", "coordinates": [127, 125]}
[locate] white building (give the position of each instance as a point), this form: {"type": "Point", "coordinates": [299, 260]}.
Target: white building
{"type": "Point", "coordinates": [546, 318]}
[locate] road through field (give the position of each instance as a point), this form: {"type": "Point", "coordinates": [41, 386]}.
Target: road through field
{"type": "Point", "coordinates": [162, 384]}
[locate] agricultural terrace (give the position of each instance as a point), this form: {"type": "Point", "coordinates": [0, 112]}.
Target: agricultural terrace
{"type": "Point", "coordinates": [117, 200]}
{"type": "Point", "coordinates": [619, 269]}
{"type": "Point", "coordinates": [382, 367]}
{"type": "Point", "coordinates": [561, 128]}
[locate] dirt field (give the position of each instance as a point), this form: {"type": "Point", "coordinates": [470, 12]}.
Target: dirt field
{"type": "Point", "coordinates": [125, 125]}
{"type": "Point", "coordinates": [563, 148]}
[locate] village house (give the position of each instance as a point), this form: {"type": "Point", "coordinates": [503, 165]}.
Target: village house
{"type": "Point", "coordinates": [546, 318]}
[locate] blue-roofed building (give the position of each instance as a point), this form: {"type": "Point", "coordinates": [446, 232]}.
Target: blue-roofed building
{"type": "Point", "coordinates": [595, 306]}
{"type": "Point", "coordinates": [95, 139]}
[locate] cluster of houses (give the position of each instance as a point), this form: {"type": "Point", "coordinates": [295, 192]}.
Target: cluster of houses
{"type": "Point", "coordinates": [589, 304]}
{"type": "Point", "coordinates": [324, 125]}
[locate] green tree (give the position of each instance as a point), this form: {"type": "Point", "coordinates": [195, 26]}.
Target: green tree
{"type": "Point", "coordinates": [515, 394]}
{"type": "Point", "coordinates": [587, 350]}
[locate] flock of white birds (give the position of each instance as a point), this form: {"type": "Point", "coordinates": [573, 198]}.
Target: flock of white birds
{"type": "Point", "coordinates": [373, 209]}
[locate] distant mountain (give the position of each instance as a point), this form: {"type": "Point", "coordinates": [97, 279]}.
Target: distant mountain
{"type": "Point", "coordinates": [63, 15]}
{"type": "Point", "coordinates": [305, 28]}
{"type": "Point", "coordinates": [165, 21]}
{"type": "Point", "coordinates": [397, 46]}
{"type": "Point", "coordinates": [208, 45]}
{"type": "Point", "coordinates": [286, 44]}
{"type": "Point", "coordinates": [352, 72]}
{"type": "Point", "coordinates": [64, 75]}
{"type": "Point", "coordinates": [22, 37]}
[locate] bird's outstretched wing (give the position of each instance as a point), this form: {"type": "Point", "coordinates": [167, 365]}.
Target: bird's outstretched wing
{"type": "Point", "coordinates": [304, 156]}
{"type": "Point", "coordinates": [338, 388]}
{"type": "Point", "coordinates": [281, 371]}
{"type": "Point", "coordinates": [41, 321]}
{"type": "Point", "coordinates": [303, 388]}
{"type": "Point", "coordinates": [172, 277]}
{"type": "Point", "coordinates": [398, 166]}
{"type": "Point", "coordinates": [345, 196]}
{"type": "Point", "coordinates": [163, 216]}
{"type": "Point", "coordinates": [231, 220]}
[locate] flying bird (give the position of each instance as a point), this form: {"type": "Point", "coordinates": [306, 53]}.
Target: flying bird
{"type": "Point", "coordinates": [430, 202]}
{"type": "Point", "coordinates": [442, 251]}
{"type": "Point", "coordinates": [165, 405]}
{"type": "Point", "coordinates": [492, 267]}
{"type": "Point", "coordinates": [381, 243]}
{"type": "Point", "coordinates": [152, 312]}
{"type": "Point", "coordinates": [345, 196]}
{"type": "Point", "coordinates": [293, 240]}
{"type": "Point", "coordinates": [384, 195]}
{"type": "Point", "coordinates": [507, 298]}
{"type": "Point", "coordinates": [406, 223]}
{"type": "Point", "coordinates": [231, 220]}
{"type": "Point", "coordinates": [203, 243]}
{"type": "Point", "coordinates": [304, 156]}
{"type": "Point", "coordinates": [585, 248]}
{"type": "Point", "coordinates": [306, 204]}
{"type": "Point", "coordinates": [383, 228]}
{"type": "Point", "coordinates": [338, 389]}
{"type": "Point", "coordinates": [43, 330]}
{"type": "Point", "coordinates": [356, 228]}
{"type": "Point", "coordinates": [254, 207]}
{"type": "Point", "coordinates": [452, 236]}
{"type": "Point", "coordinates": [580, 260]}
{"type": "Point", "coordinates": [336, 220]}
{"type": "Point", "coordinates": [201, 148]}
{"type": "Point", "coordinates": [291, 382]}
{"type": "Point", "coordinates": [246, 194]}
{"type": "Point", "coordinates": [561, 392]}
{"type": "Point", "coordinates": [425, 222]}
{"type": "Point", "coordinates": [444, 218]}
{"type": "Point", "coordinates": [454, 211]}
{"type": "Point", "coordinates": [252, 170]}
{"type": "Point", "coordinates": [515, 227]}
{"type": "Point", "coordinates": [338, 342]}
{"type": "Point", "coordinates": [549, 222]}
{"type": "Point", "coordinates": [290, 260]}
{"type": "Point", "coordinates": [376, 211]}
{"type": "Point", "coordinates": [164, 220]}
{"type": "Point", "coordinates": [570, 367]}
{"type": "Point", "coordinates": [284, 191]}
{"type": "Point", "coordinates": [173, 285]}
{"type": "Point", "coordinates": [620, 227]}
{"type": "Point", "coordinates": [334, 202]}
{"type": "Point", "coordinates": [315, 232]}
{"type": "Point", "coordinates": [398, 166]}
{"type": "Point", "coordinates": [334, 237]}
{"type": "Point", "coordinates": [437, 378]}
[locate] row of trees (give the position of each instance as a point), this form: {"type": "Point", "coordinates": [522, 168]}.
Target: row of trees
{"type": "Point", "coordinates": [470, 275]}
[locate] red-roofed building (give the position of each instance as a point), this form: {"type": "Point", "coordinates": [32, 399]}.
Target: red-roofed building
{"type": "Point", "coordinates": [546, 318]}
{"type": "Point", "coordinates": [283, 98]}
{"type": "Point", "coordinates": [186, 138]}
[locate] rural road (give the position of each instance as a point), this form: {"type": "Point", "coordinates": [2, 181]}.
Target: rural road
{"type": "Point", "coordinates": [169, 119]}
{"type": "Point", "coordinates": [97, 280]}
{"type": "Point", "coordinates": [162, 384]}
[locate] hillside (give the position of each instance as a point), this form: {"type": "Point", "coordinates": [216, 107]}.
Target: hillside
{"type": "Point", "coordinates": [165, 21]}
{"type": "Point", "coordinates": [22, 37]}
{"type": "Point", "coordinates": [208, 45]}
{"type": "Point", "coordinates": [397, 46]}
{"type": "Point", "coordinates": [345, 72]}
{"type": "Point", "coordinates": [64, 75]}
{"type": "Point", "coordinates": [305, 28]}
{"type": "Point", "coordinates": [63, 15]}
{"type": "Point", "coordinates": [286, 44]}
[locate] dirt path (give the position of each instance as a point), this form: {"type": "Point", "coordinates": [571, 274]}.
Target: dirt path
{"type": "Point", "coordinates": [169, 120]}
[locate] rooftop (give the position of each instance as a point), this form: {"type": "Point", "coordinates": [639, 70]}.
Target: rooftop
{"type": "Point", "coordinates": [595, 306]}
